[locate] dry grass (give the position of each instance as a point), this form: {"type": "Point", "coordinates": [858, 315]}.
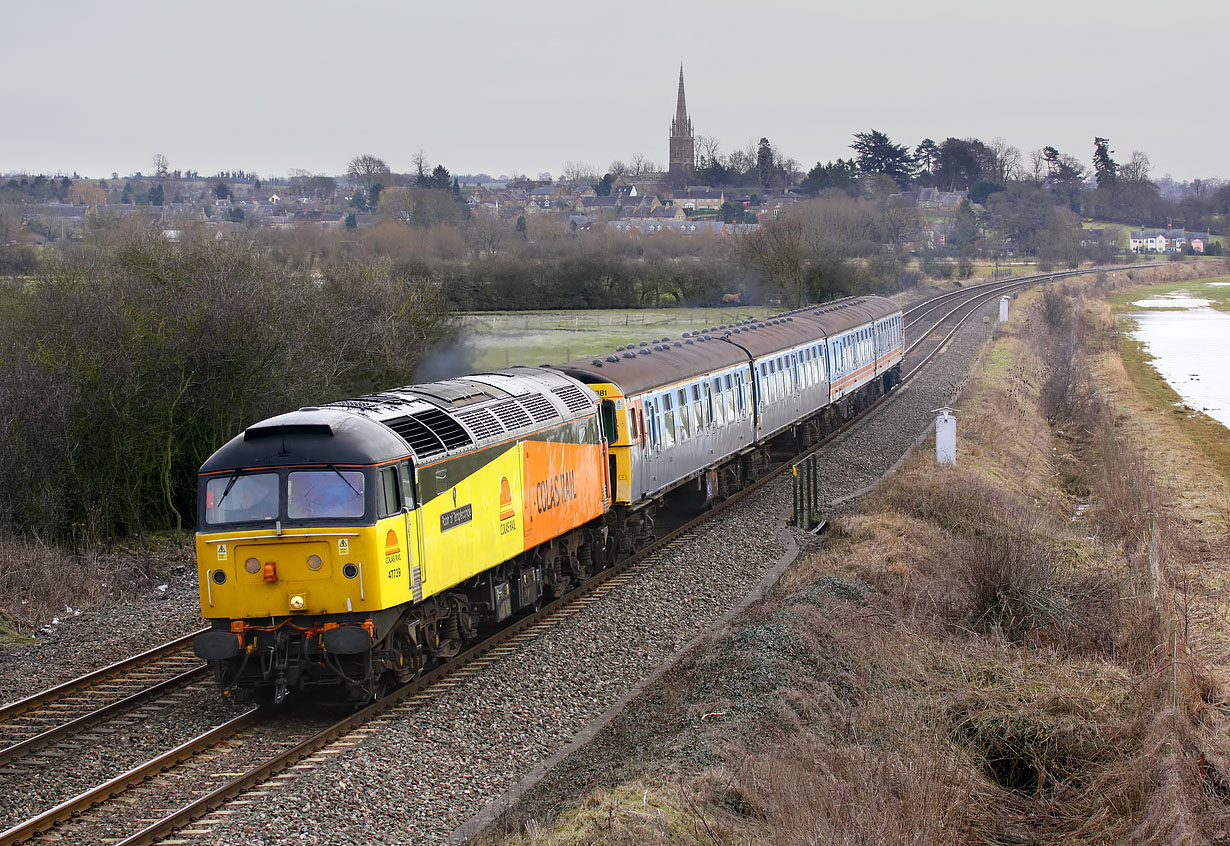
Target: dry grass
{"type": "Point", "coordinates": [39, 581]}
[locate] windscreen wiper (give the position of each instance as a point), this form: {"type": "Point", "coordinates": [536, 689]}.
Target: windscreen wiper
{"type": "Point", "coordinates": [230, 484]}
{"type": "Point", "coordinates": [344, 479]}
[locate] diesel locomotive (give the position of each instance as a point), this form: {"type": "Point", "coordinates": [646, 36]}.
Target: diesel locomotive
{"type": "Point", "coordinates": [346, 547]}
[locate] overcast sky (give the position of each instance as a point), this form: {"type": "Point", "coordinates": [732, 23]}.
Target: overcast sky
{"type": "Point", "coordinates": [529, 85]}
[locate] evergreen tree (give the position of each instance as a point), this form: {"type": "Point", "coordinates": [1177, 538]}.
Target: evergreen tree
{"type": "Point", "coordinates": [878, 154]}
{"type": "Point", "coordinates": [927, 154]}
{"type": "Point", "coordinates": [156, 195]}
{"type": "Point", "coordinates": [1105, 169]}
{"type": "Point", "coordinates": [840, 174]}
{"type": "Point", "coordinates": [764, 162]}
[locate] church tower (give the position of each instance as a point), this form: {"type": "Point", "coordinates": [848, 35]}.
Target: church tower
{"type": "Point", "coordinates": [683, 145]}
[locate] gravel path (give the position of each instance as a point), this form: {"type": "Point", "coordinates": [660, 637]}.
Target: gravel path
{"type": "Point", "coordinates": [428, 768]}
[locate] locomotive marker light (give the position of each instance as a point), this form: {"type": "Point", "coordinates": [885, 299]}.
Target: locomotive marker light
{"type": "Point", "coordinates": [252, 565]}
{"type": "Point", "coordinates": [297, 602]}
{"type": "Point", "coordinates": [945, 436]}
{"type": "Point", "coordinates": [271, 571]}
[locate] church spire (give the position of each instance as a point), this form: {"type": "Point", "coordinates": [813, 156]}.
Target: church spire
{"type": "Point", "coordinates": [682, 126]}
{"type": "Point", "coordinates": [682, 145]}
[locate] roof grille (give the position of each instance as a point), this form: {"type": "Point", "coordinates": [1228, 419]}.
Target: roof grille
{"type": "Point", "coordinates": [422, 440]}
{"type": "Point", "coordinates": [430, 432]}
{"type": "Point", "coordinates": [482, 423]}
{"type": "Point", "coordinates": [448, 429]}
{"type": "Point", "coordinates": [574, 398]}
{"type": "Point", "coordinates": [512, 415]}
{"type": "Point", "coordinates": [539, 407]}
{"type": "Point", "coordinates": [356, 404]}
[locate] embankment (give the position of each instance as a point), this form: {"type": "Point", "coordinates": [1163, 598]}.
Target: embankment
{"type": "Point", "coordinates": [1025, 648]}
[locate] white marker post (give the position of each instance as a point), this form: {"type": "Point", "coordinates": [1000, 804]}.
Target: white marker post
{"type": "Point", "coordinates": [945, 436]}
{"type": "Point", "coordinates": [1003, 309]}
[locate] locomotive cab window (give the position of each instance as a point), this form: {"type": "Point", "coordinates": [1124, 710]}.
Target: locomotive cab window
{"type": "Point", "coordinates": [390, 492]}
{"type": "Point", "coordinates": [407, 484]}
{"type": "Point", "coordinates": [609, 429]}
{"type": "Point", "coordinates": [242, 498]}
{"type": "Point", "coordinates": [324, 494]}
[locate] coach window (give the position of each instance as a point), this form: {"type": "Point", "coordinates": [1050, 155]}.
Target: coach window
{"type": "Point", "coordinates": [698, 408]}
{"type": "Point", "coordinates": [634, 433]}
{"type": "Point", "coordinates": [717, 413]}
{"type": "Point", "coordinates": [668, 421]}
{"type": "Point", "coordinates": [651, 424]}
{"type": "Point", "coordinates": [685, 417]}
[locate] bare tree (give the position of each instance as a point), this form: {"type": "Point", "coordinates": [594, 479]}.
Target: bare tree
{"type": "Point", "coordinates": [368, 169]}
{"type": "Point", "coordinates": [707, 147]}
{"type": "Point", "coordinates": [780, 250]}
{"type": "Point", "coordinates": [1005, 161]}
{"type": "Point", "coordinates": [486, 234]}
{"type": "Point", "coordinates": [641, 166]}
{"type": "Point", "coordinates": [161, 166]}
{"type": "Point", "coordinates": [422, 167]}
{"type": "Point", "coordinates": [1136, 169]}
{"type": "Point", "coordinates": [1036, 167]}
{"type": "Point", "coordinates": [579, 173]}
{"type": "Point", "coordinates": [741, 162]}
{"type": "Point", "coordinates": [617, 169]}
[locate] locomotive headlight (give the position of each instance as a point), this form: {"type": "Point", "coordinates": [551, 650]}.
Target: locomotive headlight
{"type": "Point", "coordinates": [298, 602]}
{"type": "Point", "coordinates": [252, 566]}
{"type": "Point", "coordinates": [314, 562]}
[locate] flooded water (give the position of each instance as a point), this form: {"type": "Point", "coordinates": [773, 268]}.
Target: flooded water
{"type": "Point", "coordinates": [1190, 345]}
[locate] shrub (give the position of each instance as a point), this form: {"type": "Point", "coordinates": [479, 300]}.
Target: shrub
{"type": "Point", "coordinates": [124, 366]}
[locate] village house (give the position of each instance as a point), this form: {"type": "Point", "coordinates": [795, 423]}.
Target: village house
{"type": "Point", "coordinates": [1166, 240]}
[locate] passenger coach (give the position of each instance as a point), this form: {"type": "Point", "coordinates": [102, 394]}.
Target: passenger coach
{"type": "Point", "coordinates": [704, 408]}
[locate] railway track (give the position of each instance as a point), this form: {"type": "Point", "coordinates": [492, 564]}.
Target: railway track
{"type": "Point", "coordinates": [59, 713]}
{"type": "Point", "coordinates": [316, 747]}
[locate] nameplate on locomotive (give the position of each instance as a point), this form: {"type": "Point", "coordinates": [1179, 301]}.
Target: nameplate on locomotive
{"type": "Point", "coordinates": [453, 519]}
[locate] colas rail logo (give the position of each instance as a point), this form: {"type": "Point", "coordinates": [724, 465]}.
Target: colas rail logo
{"type": "Point", "coordinates": [392, 550]}
{"type": "Point", "coordinates": [508, 514]}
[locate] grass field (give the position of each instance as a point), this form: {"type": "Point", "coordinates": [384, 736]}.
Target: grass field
{"type": "Point", "coordinates": [1208, 435]}
{"type": "Point", "coordinates": [493, 339]}
{"type": "Point", "coordinates": [1215, 289]}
